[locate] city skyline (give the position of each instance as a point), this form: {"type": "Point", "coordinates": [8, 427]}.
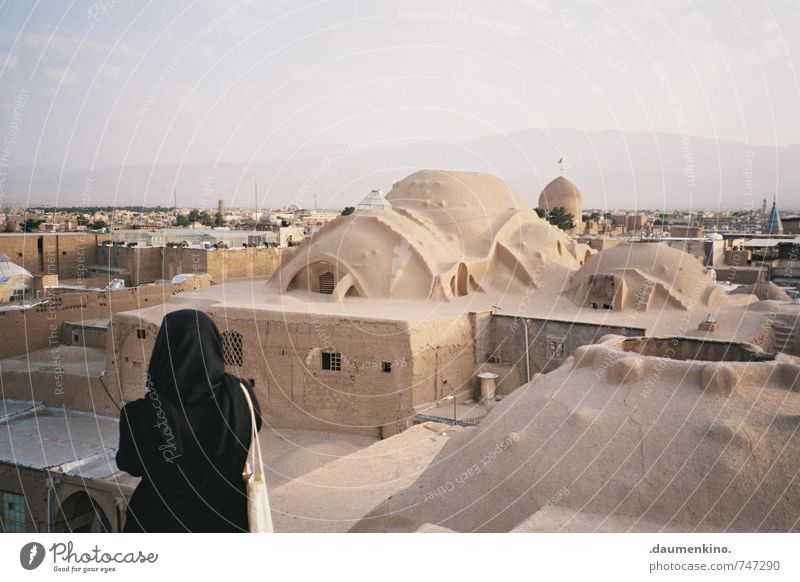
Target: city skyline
{"type": "Point", "coordinates": [112, 85]}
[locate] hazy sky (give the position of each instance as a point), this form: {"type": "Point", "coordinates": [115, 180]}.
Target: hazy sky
{"type": "Point", "coordinates": [105, 83]}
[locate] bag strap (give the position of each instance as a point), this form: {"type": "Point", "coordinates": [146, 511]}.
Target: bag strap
{"type": "Point", "coordinates": [253, 433]}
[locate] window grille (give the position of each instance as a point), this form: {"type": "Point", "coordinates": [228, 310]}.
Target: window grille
{"type": "Point", "coordinates": [326, 283]}
{"type": "Point", "coordinates": [332, 361]}
{"type": "Point", "coordinates": [13, 512]}
{"type": "Point", "coordinates": [232, 348]}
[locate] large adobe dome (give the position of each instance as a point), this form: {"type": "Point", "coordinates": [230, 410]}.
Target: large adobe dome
{"type": "Point", "coordinates": [446, 235]}
{"type": "Point", "coordinates": [561, 192]}
{"type": "Point", "coordinates": [642, 276]}
{"type": "Point", "coordinates": [615, 440]}
{"type": "Point", "coordinates": [438, 189]}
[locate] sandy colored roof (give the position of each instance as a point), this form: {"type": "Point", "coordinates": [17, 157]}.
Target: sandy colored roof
{"type": "Point", "coordinates": [764, 291]}
{"type": "Point", "coordinates": [643, 442]}
{"type": "Point", "coordinates": [562, 192]}
{"type": "Point", "coordinates": [336, 495]}
{"type": "Point", "coordinates": [644, 266]}
{"type": "Point", "coordinates": [448, 234]}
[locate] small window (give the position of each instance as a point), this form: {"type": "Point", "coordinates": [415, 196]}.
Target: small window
{"type": "Point", "coordinates": [76, 338]}
{"type": "Point", "coordinates": [386, 367]}
{"type": "Point", "coordinates": [141, 333]}
{"type": "Point", "coordinates": [13, 512]}
{"type": "Point", "coordinates": [555, 348]}
{"type": "Point", "coordinates": [233, 348]}
{"type": "Point", "coordinates": [326, 283]}
{"type": "Point", "coordinates": [63, 252]}
{"type": "Point", "coordinates": [332, 361]}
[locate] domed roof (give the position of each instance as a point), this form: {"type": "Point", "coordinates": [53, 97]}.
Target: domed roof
{"type": "Point", "coordinates": [647, 268]}
{"type": "Point", "coordinates": [653, 443]}
{"type": "Point", "coordinates": [445, 235]}
{"type": "Point", "coordinates": [562, 192]}
{"type": "Point", "coordinates": [765, 290]}
{"type": "Point", "coordinates": [9, 270]}
{"type": "Point", "coordinates": [447, 190]}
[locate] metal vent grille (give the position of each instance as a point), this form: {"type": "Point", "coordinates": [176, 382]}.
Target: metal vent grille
{"type": "Point", "coordinates": [326, 283]}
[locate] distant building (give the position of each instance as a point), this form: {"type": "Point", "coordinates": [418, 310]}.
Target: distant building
{"type": "Point", "coordinates": [563, 193]}
{"type": "Point", "coordinates": [15, 281]}
{"type": "Point", "coordinates": [791, 225]}
{"type": "Point", "coordinates": [773, 224]}
{"type": "Point", "coordinates": [374, 201]}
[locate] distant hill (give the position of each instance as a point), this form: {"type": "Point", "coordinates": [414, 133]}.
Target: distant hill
{"type": "Point", "coordinates": [613, 169]}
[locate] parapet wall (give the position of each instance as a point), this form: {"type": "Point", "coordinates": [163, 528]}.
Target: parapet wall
{"type": "Point", "coordinates": [139, 265]}
{"type": "Point", "coordinates": [382, 371]}
{"type": "Point", "coordinates": [66, 255]}
{"type": "Point", "coordinates": [40, 326]}
{"type": "Point", "coordinates": [500, 345]}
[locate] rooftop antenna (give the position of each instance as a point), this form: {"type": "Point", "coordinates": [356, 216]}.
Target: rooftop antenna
{"type": "Point", "coordinates": [315, 202]}
{"type": "Point", "coordinates": [255, 193]}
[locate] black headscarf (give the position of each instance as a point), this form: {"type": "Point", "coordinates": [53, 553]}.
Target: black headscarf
{"type": "Point", "coordinates": [187, 371]}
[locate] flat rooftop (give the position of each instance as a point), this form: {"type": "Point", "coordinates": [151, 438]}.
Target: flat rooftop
{"type": "Point", "coordinates": [261, 298]}
{"type": "Point", "coordinates": [69, 441]}
{"type": "Point", "coordinates": [75, 360]}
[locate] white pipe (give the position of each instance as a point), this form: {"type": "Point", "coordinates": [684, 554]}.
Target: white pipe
{"type": "Point", "coordinates": [49, 505]}
{"type": "Point", "coordinates": [527, 354]}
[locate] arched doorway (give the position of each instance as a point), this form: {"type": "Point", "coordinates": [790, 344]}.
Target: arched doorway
{"type": "Point", "coordinates": [80, 514]}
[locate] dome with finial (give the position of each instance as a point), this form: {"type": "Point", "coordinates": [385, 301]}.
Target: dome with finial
{"type": "Point", "coordinates": [561, 192]}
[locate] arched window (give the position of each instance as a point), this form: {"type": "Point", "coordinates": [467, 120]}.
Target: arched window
{"type": "Point", "coordinates": [326, 282]}
{"type": "Point", "coordinates": [80, 514]}
{"type": "Point", "coordinates": [232, 348]}
{"type": "Point", "coordinates": [459, 283]}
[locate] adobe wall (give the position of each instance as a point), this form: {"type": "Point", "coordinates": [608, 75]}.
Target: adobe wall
{"type": "Point", "coordinates": [56, 387]}
{"type": "Point", "coordinates": [148, 264]}
{"type": "Point", "coordinates": [65, 255]}
{"type": "Point", "coordinates": [742, 275]}
{"type": "Point", "coordinates": [76, 334]}
{"type": "Point", "coordinates": [140, 264]}
{"type": "Point", "coordinates": [443, 358]}
{"type": "Point", "coordinates": [500, 345]}
{"type": "Point", "coordinates": [282, 355]}
{"type": "Point", "coordinates": [253, 262]}
{"type": "Point", "coordinates": [180, 260]}
{"type": "Point", "coordinates": [35, 328]}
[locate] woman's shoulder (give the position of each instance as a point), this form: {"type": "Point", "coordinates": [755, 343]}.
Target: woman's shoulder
{"type": "Point", "coordinates": [140, 408]}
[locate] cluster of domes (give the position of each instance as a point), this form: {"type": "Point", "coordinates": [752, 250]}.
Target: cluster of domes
{"type": "Point", "coordinates": [440, 235]}
{"type": "Point", "coordinates": [443, 235]}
